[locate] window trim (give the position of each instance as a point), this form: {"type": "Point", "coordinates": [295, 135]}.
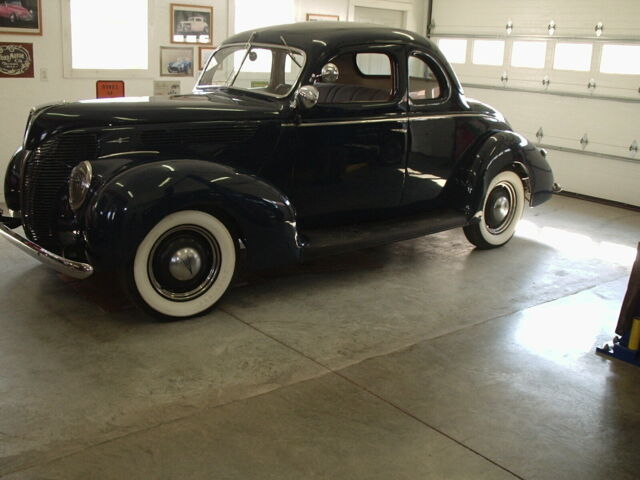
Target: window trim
{"type": "Point", "coordinates": [438, 71]}
{"type": "Point", "coordinates": [67, 66]}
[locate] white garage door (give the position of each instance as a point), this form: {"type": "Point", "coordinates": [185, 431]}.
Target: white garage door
{"type": "Point", "coordinates": [566, 74]}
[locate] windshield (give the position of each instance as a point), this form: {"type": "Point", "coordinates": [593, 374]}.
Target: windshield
{"type": "Point", "coordinates": [266, 69]}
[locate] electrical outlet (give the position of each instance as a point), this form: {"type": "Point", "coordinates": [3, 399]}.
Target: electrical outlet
{"type": "Point", "coordinates": [44, 75]}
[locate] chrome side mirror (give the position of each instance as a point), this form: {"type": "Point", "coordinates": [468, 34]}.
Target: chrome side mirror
{"type": "Point", "coordinates": [308, 96]}
{"type": "Point", "coordinates": [330, 73]}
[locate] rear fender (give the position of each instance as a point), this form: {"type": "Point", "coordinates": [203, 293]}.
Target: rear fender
{"type": "Point", "coordinates": [126, 207]}
{"type": "Point", "coordinates": [506, 150]}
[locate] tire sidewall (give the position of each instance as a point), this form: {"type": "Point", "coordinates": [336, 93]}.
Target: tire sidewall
{"type": "Point", "coordinates": [184, 309]}
{"type": "Point", "coordinates": [503, 237]}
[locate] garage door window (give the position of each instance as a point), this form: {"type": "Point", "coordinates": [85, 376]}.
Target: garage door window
{"type": "Point", "coordinates": [488, 52]}
{"type": "Point", "coordinates": [621, 59]}
{"type": "Point", "coordinates": [454, 49]}
{"type": "Point", "coordinates": [573, 56]}
{"type": "Point", "coordinates": [424, 84]}
{"type": "Point", "coordinates": [528, 54]}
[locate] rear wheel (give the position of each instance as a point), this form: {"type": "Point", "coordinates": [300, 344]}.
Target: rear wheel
{"type": "Point", "coordinates": [502, 209]}
{"type": "Point", "coordinates": [183, 266]}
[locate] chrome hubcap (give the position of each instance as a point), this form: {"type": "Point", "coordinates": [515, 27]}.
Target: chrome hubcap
{"type": "Point", "coordinates": [185, 264]}
{"type": "Point", "coordinates": [500, 208]}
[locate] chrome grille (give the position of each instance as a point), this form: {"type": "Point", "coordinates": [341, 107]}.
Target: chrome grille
{"type": "Point", "coordinates": [45, 177]}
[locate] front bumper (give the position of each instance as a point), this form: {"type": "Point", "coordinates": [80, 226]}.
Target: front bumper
{"type": "Point", "coordinates": [63, 265]}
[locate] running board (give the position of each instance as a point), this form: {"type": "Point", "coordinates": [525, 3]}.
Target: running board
{"type": "Point", "coordinates": [334, 240]}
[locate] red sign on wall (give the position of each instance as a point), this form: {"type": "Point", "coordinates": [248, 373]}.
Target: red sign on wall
{"type": "Point", "coordinates": [109, 88]}
{"type": "Point", "coordinates": [16, 60]}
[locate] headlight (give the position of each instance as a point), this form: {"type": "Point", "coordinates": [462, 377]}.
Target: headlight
{"type": "Point", "coordinates": [79, 183]}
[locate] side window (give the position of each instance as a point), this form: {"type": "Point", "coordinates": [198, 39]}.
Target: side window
{"type": "Point", "coordinates": [423, 83]}
{"type": "Point", "coordinates": [373, 64]}
{"type": "Point", "coordinates": [364, 77]}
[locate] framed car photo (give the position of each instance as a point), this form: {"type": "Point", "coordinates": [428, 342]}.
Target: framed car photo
{"type": "Point", "coordinates": [22, 17]}
{"type": "Point", "coordinates": [204, 54]}
{"type": "Point", "coordinates": [191, 24]}
{"type": "Point", "coordinates": [176, 61]}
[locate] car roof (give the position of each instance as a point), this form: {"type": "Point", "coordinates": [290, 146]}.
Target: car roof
{"type": "Point", "coordinates": [306, 35]}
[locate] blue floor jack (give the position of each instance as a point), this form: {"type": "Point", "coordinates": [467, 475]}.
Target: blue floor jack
{"type": "Point", "coordinates": [626, 345]}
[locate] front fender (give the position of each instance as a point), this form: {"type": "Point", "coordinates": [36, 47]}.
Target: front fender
{"type": "Point", "coordinates": [127, 206]}
{"type": "Point", "coordinates": [12, 179]}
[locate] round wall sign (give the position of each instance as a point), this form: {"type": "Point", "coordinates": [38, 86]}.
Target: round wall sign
{"type": "Point", "coordinates": [14, 60]}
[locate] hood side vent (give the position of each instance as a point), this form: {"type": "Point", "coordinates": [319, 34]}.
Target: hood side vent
{"type": "Point", "coordinates": [232, 134]}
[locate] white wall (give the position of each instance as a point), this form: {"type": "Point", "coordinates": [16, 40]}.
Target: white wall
{"type": "Point", "coordinates": [17, 96]}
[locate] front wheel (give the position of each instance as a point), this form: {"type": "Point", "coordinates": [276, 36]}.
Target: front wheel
{"type": "Point", "coordinates": [502, 208]}
{"type": "Point", "coordinates": [183, 265]}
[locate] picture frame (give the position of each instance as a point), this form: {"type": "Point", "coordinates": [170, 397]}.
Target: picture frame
{"type": "Point", "coordinates": [204, 53]}
{"type": "Point", "coordinates": [21, 17]}
{"type": "Point", "coordinates": [176, 62]}
{"type": "Point", "coordinates": [191, 24]}
{"type": "Point", "coordinates": [16, 60]}
{"type": "Point", "coordinates": [321, 17]}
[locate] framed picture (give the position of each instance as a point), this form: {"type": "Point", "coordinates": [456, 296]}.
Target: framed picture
{"type": "Point", "coordinates": [319, 17]}
{"type": "Point", "coordinates": [176, 61]}
{"type": "Point", "coordinates": [191, 24]}
{"type": "Point", "coordinates": [204, 53]}
{"type": "Point", "coordinates": [22, 17]}
{"type": "Point", "coordinates": [166, 87]}
{"type": "Point", "coordinates": [16, 60]}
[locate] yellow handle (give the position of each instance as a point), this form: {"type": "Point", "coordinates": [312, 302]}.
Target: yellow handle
{"type": "Point", "coordinates": [634, 337]}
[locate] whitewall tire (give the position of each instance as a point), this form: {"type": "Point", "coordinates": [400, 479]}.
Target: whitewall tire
{"type": "Point", "coordinates": [502, 209]}
{"type": "Point", "coordinates": [183, 265]}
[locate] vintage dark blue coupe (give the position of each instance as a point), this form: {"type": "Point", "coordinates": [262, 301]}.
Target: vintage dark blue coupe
{"type": "Point", "coordinates": [298, 141]}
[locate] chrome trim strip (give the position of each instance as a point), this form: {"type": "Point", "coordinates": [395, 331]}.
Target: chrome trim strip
{"type": "Point", "coordinates": [560, 94]}
{"type": "Point", "coordinates": [8, 213]}
{"type": "Point", "coordinates": [346, 122]}
{"type": "Point", "coordinates": [63, 265]}
{"type": "Point", "coordinates": [577, 151]}
{"type": "Point", "coordinates": [447, 115]}
{"type": "Point", "coordinates": [383, 120]}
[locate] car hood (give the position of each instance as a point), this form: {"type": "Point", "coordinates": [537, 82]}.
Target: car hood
{"type": "Point", "coordinates": [131, 111]}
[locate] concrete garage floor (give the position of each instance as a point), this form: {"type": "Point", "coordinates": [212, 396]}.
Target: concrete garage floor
{"type": "Point", "coordinates": [424, 359]}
